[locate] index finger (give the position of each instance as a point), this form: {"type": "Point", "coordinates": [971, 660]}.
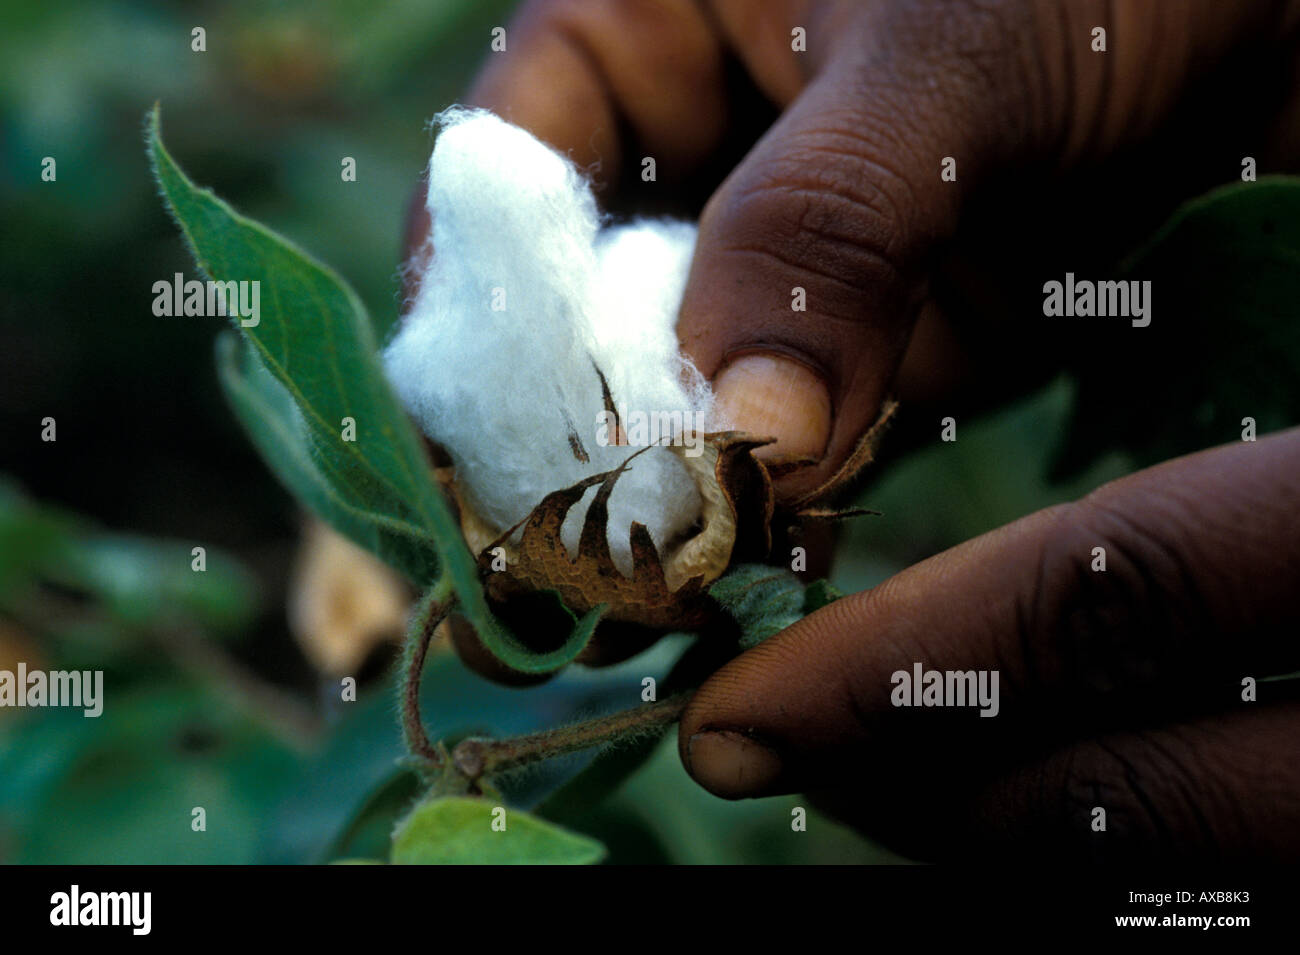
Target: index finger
{"type": "Point", "coordinates": [1156, 594]}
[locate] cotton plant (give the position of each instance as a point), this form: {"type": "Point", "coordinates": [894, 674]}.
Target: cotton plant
{"type": "Point", "coordinates": [583, 465]}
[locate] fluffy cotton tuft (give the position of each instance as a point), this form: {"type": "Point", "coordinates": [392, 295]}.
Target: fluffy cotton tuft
{"type": "Point", "coordinates": [526, 295]}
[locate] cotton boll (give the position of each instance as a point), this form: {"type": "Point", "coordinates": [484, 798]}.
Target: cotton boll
{"type": "Point", "coordinates": [508, 391]}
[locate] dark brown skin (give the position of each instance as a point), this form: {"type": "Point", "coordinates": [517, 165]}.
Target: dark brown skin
{"type": "Point", "coordinates": [1120, 690]}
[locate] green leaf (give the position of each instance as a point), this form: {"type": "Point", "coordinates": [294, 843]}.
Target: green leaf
{"type": "Point", "coordinates": [820, 593]}
{"type": "Point", "coordinates": [315, 340]}
{"type": "Point", "coordinates": [1224, 333]}
{"type": "Point", "coordinates": [459, 831]}
{"type": "Point", "coordinates": [763, 600]}
{"type": "Point", "coordinates": [272, 421]}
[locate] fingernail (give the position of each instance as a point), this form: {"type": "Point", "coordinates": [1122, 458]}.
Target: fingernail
{"type": "Point", "coordinates": [732, 765]}
{"type": "Point", "coordinates": [772, 395]}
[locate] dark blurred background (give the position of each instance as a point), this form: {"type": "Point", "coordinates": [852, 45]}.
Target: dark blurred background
{"type": "Point", "coordinates": [285, 90]}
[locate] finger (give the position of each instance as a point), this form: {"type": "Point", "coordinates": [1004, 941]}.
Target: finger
{"type": "Point", "coordinates": [1225, 788]}
{"type": "Point", "coordinates": [1202, 557]}
{"type": "Point", "coordinates": [839, 209]}
{"type": "Point", "coordinates": [574, 74]}
{"type": "Point", "coordinates": [1221, 787]}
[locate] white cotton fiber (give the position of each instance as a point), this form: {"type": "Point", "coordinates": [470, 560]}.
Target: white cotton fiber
{"type": "Point", "coordinates": [525, 296]}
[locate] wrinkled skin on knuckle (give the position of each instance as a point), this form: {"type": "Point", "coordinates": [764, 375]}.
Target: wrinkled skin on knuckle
{"type": "Point", "coordinates": [817, 214]}
{"type": "Point", "coordinates": [830, 240]}
{"type": "Point", "coordinates": [975, 66]}
{"type": "Point", "coordinates": [1108, 635]}
{"type": "Point", "coordinates": [1162, 796]}
{"type": "Point", "coordinates": [849, 197]}
{"type": "Point", "coordinates": [1217, 788]}
{"type": "Point", "coordinates": [1100, 777]}
{"type": "Point", "coordinates": [849, 200]}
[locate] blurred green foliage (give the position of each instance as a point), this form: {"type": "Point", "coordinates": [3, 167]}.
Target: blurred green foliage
{"type": "Point", "coordinates": [283, 92]}
{"type": "Point", "coordinates": [945, 493]}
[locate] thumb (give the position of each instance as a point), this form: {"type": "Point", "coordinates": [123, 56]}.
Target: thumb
{"type": "Point", "coordinates": [809, 268]}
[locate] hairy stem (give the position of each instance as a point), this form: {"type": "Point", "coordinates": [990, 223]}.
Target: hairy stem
{"type": "Point", "coordinates": [431, 611]}
{"type": "Point", "coordinates": [475, 757]}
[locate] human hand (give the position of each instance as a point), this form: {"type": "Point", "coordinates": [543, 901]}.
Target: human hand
{"type": "Point", "coordinates": [842, 197]}
{"type": "Point", "coordinates": [1120, 689]}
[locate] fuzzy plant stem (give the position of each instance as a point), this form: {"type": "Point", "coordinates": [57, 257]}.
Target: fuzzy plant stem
{"type": "Point", "coordinates": [475, 758]}
{"type": "Point", "coordinates": [431, 611]}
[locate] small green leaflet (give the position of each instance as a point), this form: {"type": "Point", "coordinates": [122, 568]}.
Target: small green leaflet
{"type": "Point", "coordinates": [457, 830]}
{"type": "Point", "coordinates": [765, 600]}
